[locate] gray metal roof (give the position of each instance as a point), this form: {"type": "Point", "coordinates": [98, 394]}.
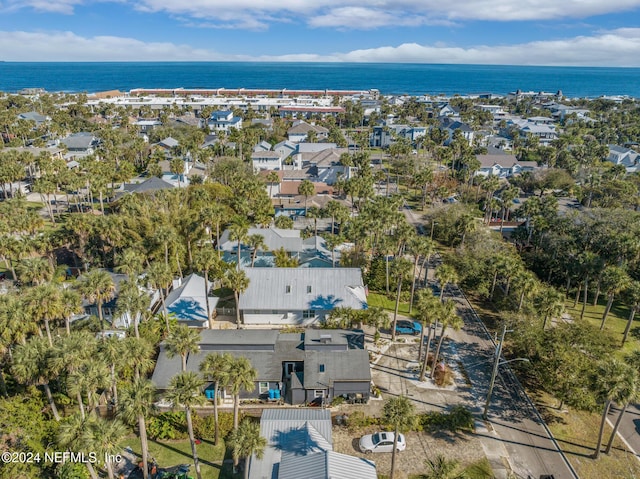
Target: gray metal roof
{"type": "Point", "coordinates": [325, 465]}
{"type": "Point", "coordinates": [274, 422]}
{"type": "Point", "coordinates": [149, 185]}
{"type": "Point", "coordinates": [274, 238]}
{"type": "Point", "coordinates": [288, 289]}
{"type": "Point", "coordinates": [188, 301]}
{"type": "Point", "coordinates": [351, 365]}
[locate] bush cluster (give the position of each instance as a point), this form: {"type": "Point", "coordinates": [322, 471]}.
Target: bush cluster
{"type": "Point", "coordinates": [457, 419]}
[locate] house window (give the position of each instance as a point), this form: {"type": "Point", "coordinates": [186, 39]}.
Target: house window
{"type": "Point", "coordinates": [321, 368]}
{"type": "Point", "coordinates": [263, 387]}
{"type": "Point", "coordinates": [309, 289]}
{"type": "Point", "coordinates": [308, 314]}
{"type": "Point", "coordinates": [318, 393]}
{"type": "Point", "coordinates": [287, 289]}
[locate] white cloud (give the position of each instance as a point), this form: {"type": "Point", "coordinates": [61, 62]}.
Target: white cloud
{"type": "Point", "coordinates": [250, 14]}
{"type": "Point", "coordinates": [353, 14]}
{"type": "Point", "coordinates": [612, 48]}
{"type": "Point", "coordinates": [67, 46]}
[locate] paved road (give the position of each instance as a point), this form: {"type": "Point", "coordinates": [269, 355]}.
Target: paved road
{"type": "Point", "coordinates": [513, 418]}
{"type": "Point", "coordinates": [629, 429]}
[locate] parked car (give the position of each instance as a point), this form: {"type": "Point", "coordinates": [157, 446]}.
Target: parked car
{"type": "Point", "coordinates": [381, 442]}
{"type": "Point", "coordinates": [405, 326]}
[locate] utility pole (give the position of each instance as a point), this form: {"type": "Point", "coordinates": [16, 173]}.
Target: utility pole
{"type": "Point", "coordinates": [494, 373]}
{"type": "Point", "coordinates": [496, 364]}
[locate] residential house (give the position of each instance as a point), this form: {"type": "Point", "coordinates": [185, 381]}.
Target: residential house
{"type": "Point", "coordinates": [451, 126]}
{"type": "Point", "coordinates": [296, 296]}
{"type": "Point", "coordinates": [168, 144]}
{"type": "Point", "coordinates": [310, 252]}
{"type": "Point", "coordinates": [300, 445]}
{"type": "Point", "coordinates": [35, 117]}
{"type": "Point", "coordinates": [148, 186]}
{"type": "Point", "coordinates": [266, 160]}
{"type": "Point", "coordinates": [325, 166]}
{"type": "Point", "coordinates": [274, 238]}
{"type": "Point", "coordinates": [146, 126]}
{"type": "Point", "coordinates": [80, 144]}
{"type": "Point", "coordinates": [503, 165]}
{"type": "Point", "coordinates": [224, 120]}
{"type": "Point", "coordinates": [188, 303]}
{"type": "Point", "coordinates": [123, 320]}
{"type": "Point", "coordinates": [297, 368]}
{"type": "Point", "coordinates": [285, 148]}
{"type": "Point", "coordinates": [619, 155]}
{"type": "Point", "coordinates": [300, 132]}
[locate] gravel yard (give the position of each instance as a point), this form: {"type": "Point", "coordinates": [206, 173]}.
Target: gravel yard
{"type": "Point", "coordinates": [420, 446]}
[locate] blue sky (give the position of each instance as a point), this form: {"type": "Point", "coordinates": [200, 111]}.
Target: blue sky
{"type": "Point", "coordinates": [521, 32]}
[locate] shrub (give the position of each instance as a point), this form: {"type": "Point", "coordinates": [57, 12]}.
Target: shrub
{"type": "Point", "coordinates": [337, 401]}
{"type": "Point", "coordinates": [358, 419]}
{"type": "Point", "coordinates": [457, 419]}
{"type": "Point", "coordinates": [167, 425]}
{"type": "Point", "coordinates": [204, 426]}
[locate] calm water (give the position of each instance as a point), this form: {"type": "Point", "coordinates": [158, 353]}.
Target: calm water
{"type": "Point", "coordinates": [412, 79]}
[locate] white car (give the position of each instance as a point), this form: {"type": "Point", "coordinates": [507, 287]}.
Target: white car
{"type": "Point", "coordinates": [381, 442]}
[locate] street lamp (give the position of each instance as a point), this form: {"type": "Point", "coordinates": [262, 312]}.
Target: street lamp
{"type": "Point", "coordinates": [497, 363]}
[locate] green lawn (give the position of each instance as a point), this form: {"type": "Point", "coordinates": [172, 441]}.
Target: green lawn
{"type": "Point", "coordinates": [173, 453]}
{"type": "Point", "coordinates": [577, 434]}
{"type": "Point", "coordinates": [616, 321]}
{"type": "Point", "coordinates": [381, 300]}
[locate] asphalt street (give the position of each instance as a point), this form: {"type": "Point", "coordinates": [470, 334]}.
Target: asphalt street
{"type": "Point", "coordinates": [512, 417]}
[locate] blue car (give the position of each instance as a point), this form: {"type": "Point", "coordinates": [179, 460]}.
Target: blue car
{"type": "Point", "coordinates": [404, 326]}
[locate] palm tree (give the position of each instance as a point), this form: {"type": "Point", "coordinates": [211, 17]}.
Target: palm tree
{"type": "Point", "coordinates": [74, 434]}
{"type": "Point", "coordinates": [71, 304]}
{"type": "Point", "coordinates": [611, 382]}
{"type": "Point", "coordinates": [428, 310]}
{"type": "Point", "coordinates": [238, 231]}
{"type": "Point", "coordinates": [527, 282]}
{"type": "Point", "coordinates": [614, 280]}
{"type": "Point", "coordinates": [443, 468]}
{"type": "Point", "coordinates": [160, 277]}
{"type": "Point", "coordinates": [306, 189]}
{"type": "Point", "coordinates": [256, 242]}
{"type": "Point", "coordinates": [242, 376]}
{"type": "Point", "coordinates": [32, 364]}
{"type": "Point", "coordinates": [136, 404]}
{"type": "Point", "coordinates": [185, 390]}
{"type": "Point", "coordinates": [400, 269]}
{"type": "Point", "coordinates": [446, 274]}
{"type": "Point", "coordinates": [216, 368]}
{"type": "Point", "coordinates": [629, 393]}
{"type": "Point", "coordinates": [246, 441]}
{"type": "Point", "coordinates": [272, 179]}
{"type": "Point", "coordinates": [399, 413]}
{"type": "Point", "coordinates": [139, 355]}
{"type": "Point", "coordinates": [448, 318]}
{"type": "Point", "coordinates": [632, 296]}
{"type": "Point", "coordinates": [44, 303]}
{"type": "Point", "coordinates": [132, 303]}
{"type": "Point", "coordinates": [97, 286]}
{"type": "Point", "coordinates": [420, 247]}
{"type": "Point", "coordinates": [182, 341]}
{"type": "Point", "coordinates": [73, 352]}
{"type": "Point", "coordinates": [112, 350]}
{"type": "Point", "coordinates": [90, 377]}
{"type": "Point", "coordinates": [333, 241]}
{"type": "Point", "coordinates": [549, 302]}
{"type": "Point", "coordinates": [238, 281]}
{"type": "Point", "coordinates": [34, 270]}
{"type": "Point", "coordinates": [206, 260]}
{"type": "Point", "coordinates": [106, 436]}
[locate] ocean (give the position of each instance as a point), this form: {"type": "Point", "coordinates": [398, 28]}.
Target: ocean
{"type": "Point", "coordinates": [412, 79]}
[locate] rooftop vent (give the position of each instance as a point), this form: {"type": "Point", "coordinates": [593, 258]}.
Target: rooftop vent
{"type": "Point", "coordinates": [325, 338]}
